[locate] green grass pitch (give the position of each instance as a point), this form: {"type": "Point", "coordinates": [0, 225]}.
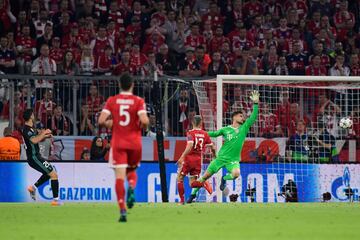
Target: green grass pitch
{"type": "Point", "coordinates": [39, 221]}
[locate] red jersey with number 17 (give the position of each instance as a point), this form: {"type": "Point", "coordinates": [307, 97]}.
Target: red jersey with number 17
{"type": "Point", "coordinates": [200, 138]}
{"type": "Point", "coordinates": [125, 109]}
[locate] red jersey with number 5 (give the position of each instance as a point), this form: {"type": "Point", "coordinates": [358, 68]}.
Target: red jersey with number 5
{"type": "Point", "coordinates": [125, 109]}
{"type": "Point", "coordinates": [200, 138]}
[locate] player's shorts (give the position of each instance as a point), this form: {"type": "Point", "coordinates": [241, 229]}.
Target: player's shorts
{"type": "Point", "coordinates": [217, 164]}
{"type": "Point", "coordinates": [41, 165]}
{"type": "Point", "coordinates": [124, 158]}
{"type": "Point", "coordinates": [192, 167]}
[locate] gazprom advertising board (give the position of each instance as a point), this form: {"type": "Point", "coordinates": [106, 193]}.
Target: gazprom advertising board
{"type": "Point", "coordinates": [94, 182]}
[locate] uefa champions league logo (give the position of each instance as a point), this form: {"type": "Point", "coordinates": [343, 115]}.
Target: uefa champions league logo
{"type": "Point", "coordinates": [341, 187]}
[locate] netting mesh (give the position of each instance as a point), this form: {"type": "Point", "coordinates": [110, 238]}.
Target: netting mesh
{"type": "Point", "coordinates": [297, 126]}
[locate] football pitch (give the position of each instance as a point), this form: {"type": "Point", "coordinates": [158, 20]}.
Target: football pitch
{"type": "Point", "coordinates": [97, 221]}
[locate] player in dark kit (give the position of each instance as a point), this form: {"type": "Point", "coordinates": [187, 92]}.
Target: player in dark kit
{"type": "Point", "coordinates": [190, 160]}
{"type": "Point", "coordinates": [32, 138]}
{"type": "Point", "coordinates": [125, 114]}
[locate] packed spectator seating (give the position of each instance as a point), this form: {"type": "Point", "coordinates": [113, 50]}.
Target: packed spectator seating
{"type": "Point", "coordinates": [186, 38]}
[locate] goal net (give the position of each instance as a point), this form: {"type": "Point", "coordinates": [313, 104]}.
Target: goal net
{"type": "Point", "coordinates": [297, 129]}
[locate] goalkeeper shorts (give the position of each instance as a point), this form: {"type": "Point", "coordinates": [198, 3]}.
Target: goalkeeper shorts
{"type": "Point", "coordinates": [217, 164]}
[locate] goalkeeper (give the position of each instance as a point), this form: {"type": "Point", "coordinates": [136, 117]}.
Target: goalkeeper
{"type": "Point", "coordinates": [234, 138]}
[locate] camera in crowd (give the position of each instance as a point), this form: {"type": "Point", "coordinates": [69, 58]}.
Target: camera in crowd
{"type": "Point", "coordinates": [289, 192]}
{"type": "Point", "coordinates": [250, 192]}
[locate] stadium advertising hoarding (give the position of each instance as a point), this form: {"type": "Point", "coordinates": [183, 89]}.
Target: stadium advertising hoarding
{"type": "Point", "coordinates": [93, 182]}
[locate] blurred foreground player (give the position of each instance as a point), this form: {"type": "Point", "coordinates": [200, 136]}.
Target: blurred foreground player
{"type": "Point", "coordinates": [125, 114]}
{"type": "Point", "coordinates": [190, 160]}
{"type": "Point", "coordinates": [32, 138]}
{"type": "Point", "coordinates": [234, 137]}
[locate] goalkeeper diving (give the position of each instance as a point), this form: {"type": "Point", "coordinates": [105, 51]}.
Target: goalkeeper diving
{"type": "Point", "coordinates": [234, 137]}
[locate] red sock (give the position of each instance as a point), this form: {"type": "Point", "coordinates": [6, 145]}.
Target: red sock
{"type": "Point", "coordinates": [181, 190]}
{"type": "Point", "coordinates": [132, 178]}
{"type": "Point", "coordinates": [197, 184]}
{"type": "Point", "coordinates": [120, 192]}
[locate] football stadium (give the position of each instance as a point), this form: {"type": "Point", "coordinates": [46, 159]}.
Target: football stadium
{"type": "Point", "coordinates": [178, 119]}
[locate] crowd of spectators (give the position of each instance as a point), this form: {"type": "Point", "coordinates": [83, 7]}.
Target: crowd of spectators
{"type": "Point", "coordinates": [186, 38]}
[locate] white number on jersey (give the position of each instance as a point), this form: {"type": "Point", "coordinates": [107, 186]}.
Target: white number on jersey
{"type": "Point", "coordinates": [199, 142]}
{"type": "Point", "coordinates": [124, 112]}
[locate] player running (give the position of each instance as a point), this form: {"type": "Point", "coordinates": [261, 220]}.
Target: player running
{"type": "Point", "coordinates": [32, 138]}
{"type": "Point", "coordinates": [190, 160]}
{"type": "Point", "coordinates": [234, 138]}
{"type": "Point", "coordinates": [125, 113]}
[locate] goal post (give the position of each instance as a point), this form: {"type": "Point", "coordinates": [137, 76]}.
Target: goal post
{"type": "Point", "coordinates": [286, 101]}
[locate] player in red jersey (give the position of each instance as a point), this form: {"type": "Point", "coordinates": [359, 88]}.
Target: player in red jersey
{"type": "Point", "coordinates": [125, 114]}
{"type": "Point", "coordinates": [190, 160]}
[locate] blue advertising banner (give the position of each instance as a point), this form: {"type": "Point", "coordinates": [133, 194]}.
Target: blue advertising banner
{"type": "Point", "coordinates": [94, 182]}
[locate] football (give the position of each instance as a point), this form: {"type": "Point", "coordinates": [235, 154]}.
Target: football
{"type": "Point", "coordinates": [345, 123]}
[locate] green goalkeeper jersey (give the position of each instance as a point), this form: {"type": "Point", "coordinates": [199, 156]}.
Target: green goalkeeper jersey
{"type": "Point", "coordinates": [234, 138]}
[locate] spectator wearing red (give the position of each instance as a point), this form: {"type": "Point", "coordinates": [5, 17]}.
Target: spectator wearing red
{"type": "Point", "coordinates": [87, 31]}
{"type": "Point", "coordinates": [299, 5]}
{"type": "Point", "coordinates": [269, 126]}
{"type": "Point", "coordinates": [100, 8]}
{"type": "Point", "coordinates": [135, 29]}
{"type": "Point", "coordinates": [93, 101]}
{"type": "Point", "coordinates": [44, 107]}
{"type": "Point", "coordinates": [214, 16]}
{"type": "Point", "coordinates": [99, 44]}
{"type": "Point", "coordinates": [56, 52]}
{"type": "Point", "coordinates": [343, 20]}
{"type": "Point", "coordinates": [113, 32]}
{"type": "Point", "coordinates": [252, 8]}
{"type": "Point", "coordinates": [319, 50]}
{"type": "Point", "coordinates": [330, 30]}
{"type": "Point", "coordinates": [106, 62]}
{"type": "Point", "coordinates": [26, 49]}
{"type": "Point", "coordinates": [160, 13]}
{"type": "Point", "coordinates": [34, 11]}
{"type": "Point", "coordinates": [315, 69]}
{"type": "Point", "coordinates": [137, 58]}
{"type": "Point", "coordinates": [354, 65]}
{"type": "Point", "coordinates": [7, 56]}
{"type": "Point", "coordinates": [267, 41]}
{"type": "Point", "coordinates": [292, 117]}
{"type": "Point", "coordinates": [227, 56]}
{"type": "Point", "coordinates": [189, 67]}
{"type": "Point", "coordinates": [6, 17]}
{"type": "Point", "coordinates": [42, 22]}
{"type": "Point", "coordinates": [314, 24]}
{"type": "Point", "coordinates": [73, 40]}
{"type": "Point", "coordinates": [217, 66]}
{"type": "Point", "coordinates": [207, 32]}
{"type": "Point", "coordinates": [355, 117]}
{"type": "Point", "coordinates": [117, 15]}
{"type": "Point", "coordinates": [283, 32]}
{"type": "Point", "coordinates": [155, 27]}
{"type": "Point", "coordinates": [125, 64]}
{"type": "Point", "coordinates": [65, 8]}
{"type": "Point", "coordinates": [217, 41]}
{"type": "Point", "coordinates": [202, 58]}
{"type": "Point", "coordinates": [297, 60]}
{"type": "Point", "coordinates": [154, 42]}
{"type": "Point", "coordinates": [270, 59]}
{"type": "Point", "coordinates": [257, 29]}
{"type": "Point", "coordinates": [195, 38]}
{"type": "Point", "coordinates": [241, 40]}
{"type": "Point", "coordinates": [296, 37]}
{"type": "Point", "coordinates": [125, 43]}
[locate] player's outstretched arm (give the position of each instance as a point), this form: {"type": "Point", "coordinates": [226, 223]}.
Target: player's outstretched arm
{"type": "Point", "coordinates": [104, 119]}
{"type": "Point", "coordinates": [255, 96]}
{"type": "Point", "coordinates": [144, 120]}
{"type": "Point", "coordinates": [216, 133]}
{"type": "Point", "coordinates": [40, 137]}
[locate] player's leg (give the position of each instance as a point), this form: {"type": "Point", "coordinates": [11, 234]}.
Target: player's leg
{"type": "Point", "coordinates": [54, 182]}
{"type": "Point", "coordinates": [181, 188]}
{"type": "Point", "coordinates": [118, 161]}
{"type": "Point", "coordinates": [233, 170]}
{"type": "Point", "coordinates": [213, 168]}
{"type": "Point", "coordinates": [194, 191]}
{"type": "Point", "coordinates": [134, 158]}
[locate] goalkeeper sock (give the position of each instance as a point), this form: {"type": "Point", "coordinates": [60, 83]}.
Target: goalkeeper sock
{"type": "Point", "coordinates": [120, 192]}
{"type": "Point", "coordinates": [180, 185]}
{"type": "Point", "coordinates": [228, 176]}
{"type": "Point", "coordinates": [194, 191]}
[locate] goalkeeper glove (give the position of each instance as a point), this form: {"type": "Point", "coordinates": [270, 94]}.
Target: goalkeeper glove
{"type": "Point", "coordinates": [255, 96]}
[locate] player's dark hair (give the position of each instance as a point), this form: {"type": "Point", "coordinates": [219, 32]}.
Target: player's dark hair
{"type": "Point", "coordinates": [197, 120]}
{"type": "Point", "coordinates": [126, 81]}
{"type": "Point", "coordinates": [27, 114]}
{"type": "Point", "coordinates": [235, 113]}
